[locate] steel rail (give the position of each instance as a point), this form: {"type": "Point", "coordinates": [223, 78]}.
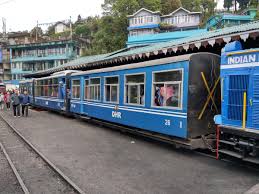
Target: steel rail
{"type": "Point", "coordinates": [16, 173]}
{"type": "Point", "coordinates": [44, 158]}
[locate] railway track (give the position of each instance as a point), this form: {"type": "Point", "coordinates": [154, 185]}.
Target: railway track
{"type": "Point", "coordinates": [34, 172]}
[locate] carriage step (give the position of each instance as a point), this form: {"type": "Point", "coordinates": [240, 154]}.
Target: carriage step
{"type": "Point", "coordinates": [227, 142]}
{"type": "Point", "coordinates": [252, 160]}
{"type": "Point", "coordinates": [230, 153]}
{"type": "Point", "coordinates": [85, 117]}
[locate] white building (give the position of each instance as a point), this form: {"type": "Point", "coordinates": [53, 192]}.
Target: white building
{"type": "Point", "coordinates": [145, 21]}
{"type": "Point", "coordinates": [61, 27]}
{"type": "Point", "coordinates": [182, 18]}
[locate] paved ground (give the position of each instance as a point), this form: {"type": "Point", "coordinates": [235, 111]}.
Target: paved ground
{"type": "Point", "coordinates": [106, 161]}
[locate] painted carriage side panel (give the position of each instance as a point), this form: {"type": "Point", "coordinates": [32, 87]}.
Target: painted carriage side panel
{"type": "Point", "coordinates": [157, 119]}
{"type": "Point", "coordinates": [198, 94]}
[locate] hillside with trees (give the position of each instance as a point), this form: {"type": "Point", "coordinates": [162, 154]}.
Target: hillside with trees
{"type": "Point", "coordinates": [109, 32]}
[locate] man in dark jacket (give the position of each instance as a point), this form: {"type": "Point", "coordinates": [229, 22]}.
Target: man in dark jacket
{"type": "Point", "coordinates": [16, 103]}
{"type": "Point", "coordinates": [25, 103]}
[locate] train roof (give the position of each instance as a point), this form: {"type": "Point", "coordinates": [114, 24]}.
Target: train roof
{"type": "Point", "coordinates": [144, 64]}
{"type": "Point", "coordinates": [238, 52]}
{"type": "Point", "coordinates": [25, 81]}
{"type": "Point", "coordinates": [63, 73]}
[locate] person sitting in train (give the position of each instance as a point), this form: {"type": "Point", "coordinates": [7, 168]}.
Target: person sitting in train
{"type": "Point", "coordinates": [158, 97]}
{"type": "Point", "coordinates": [165, 96]}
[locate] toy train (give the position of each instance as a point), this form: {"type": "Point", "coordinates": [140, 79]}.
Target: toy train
{"type": "Point", "coordinates": [175, 97]}
{"type": "Point", "coordinates": [163, 97]}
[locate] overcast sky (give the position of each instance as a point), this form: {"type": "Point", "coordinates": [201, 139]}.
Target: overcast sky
{"type": "Point", "coordinates": [23, 14]}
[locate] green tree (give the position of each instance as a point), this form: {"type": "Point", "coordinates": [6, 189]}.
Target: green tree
{"type": "Point", "coordinates": [207, 8]}
{"type": "Point", "coordinates": [83, 30]}
{"type": "Point", "coordinates": [228, 4]}
{"type": "Point", "coordinates": [243, 4]}
{"type": "Point", "coordinates": [51, 30]}
{"type": "Point", "coordinates": [168, 6]}
{"type": "Point", "coordinates": [37, 30]}
{"type": "Point", "coordinates": [154, 5]}
{"type": "Point", "coordinates": [193, 5]}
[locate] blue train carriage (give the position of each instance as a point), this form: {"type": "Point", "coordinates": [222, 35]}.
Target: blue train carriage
{"type": "Point", "coordinates": [51, 92]}
{"type": "Point", "coordinates": [239, 120]}
{"type": "Point", "coordinates": [163, 97]}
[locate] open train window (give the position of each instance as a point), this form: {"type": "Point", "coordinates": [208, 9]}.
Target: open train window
{"type": "Point", "coordinates": [54, 88]}
{"type": "Point", "coordinates": [76, 89]}
{"type": "Point", "coordinates": [86, 96]}
{"type": "Point", "coordinates": [94, 89]}
{"type": "Point", "coordinates": [167, 88]}
{"type": "Point", "coordinates": [135, 89]}
{"type": "Point", "coordinates": [112, 89]}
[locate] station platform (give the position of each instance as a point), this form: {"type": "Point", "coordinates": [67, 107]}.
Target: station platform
{"type": "Point", "coordinates": [103, 160]}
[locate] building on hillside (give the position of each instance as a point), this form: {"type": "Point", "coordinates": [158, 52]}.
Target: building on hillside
{"type": "Point", "coordinates": [223, 20]}
{"type": "Point", "coordinates": [182, 19]}
{"type": "Point", "coordinates": [61, 27]}
{"type": "Point", "coordinates": [5, 63]}
{"type": "Point", "coordinates": [148, 27]}
{"type": "Point", "coordinates": [145, 21]}
{"type": "Point", "coordinates": [18, 37]}
{"type": "Point", "coordinates": [5, 67]}
{"type": "Point", "coordinates": [32, 57]}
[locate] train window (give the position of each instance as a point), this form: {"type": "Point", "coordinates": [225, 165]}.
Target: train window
{"type": "Point", "coordinates": [76, 89]}
{"type": "Point", "coordinates": [49, 87]}
{"type": "Point", "coordinates": [94, 89]}
{"type": "Point", "coordinates": [112, 89]}
{"type": "Point", "coordinates": [135, 89]}
{"type": "Point", "coordinates": [87, 89]}
{"type": "Point", "coordinates": [167, 89]}
{"type": "Point", "coordinates": [54, 88]}
{"type": "Point", "coordinates": [45, 87]}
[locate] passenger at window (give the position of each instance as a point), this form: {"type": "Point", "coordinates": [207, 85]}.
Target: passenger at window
{"type": "Point", "coordinates": [158, 97]}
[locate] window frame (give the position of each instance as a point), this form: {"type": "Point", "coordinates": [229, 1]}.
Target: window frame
{"type": "Point", "coordinates": [86, 99]}
{"type": "Point", "coordinates": [89, 79]}
{"type": "Point", "coordinates": [125, 83]}
{"type": "Point", "coordinates": [53, 85]}
{"type": "Point", "coordinates": [118, 89]}
{"type": "Point", "coordinates": [168, 82]}
{"type": "Point", "coordinates": [72, 96]}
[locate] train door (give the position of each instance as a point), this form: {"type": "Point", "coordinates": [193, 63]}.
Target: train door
{"type": "Point", "coordinates": [253, 102]}
{"type": "Point", "coordinates": [67, 93]}
{"type": "Point", "coordinates": [235, 85]}
{"type": "Point", "coordinates": [33, 91]}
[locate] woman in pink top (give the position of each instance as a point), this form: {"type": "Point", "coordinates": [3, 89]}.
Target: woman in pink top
{"type": "Point", "coordinates": [7, 100]}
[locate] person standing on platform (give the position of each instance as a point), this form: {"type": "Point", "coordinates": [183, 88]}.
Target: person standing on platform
{"type": "Point", "coordinates": [25, 103]}
{"type": "Point", "coordinates": [7, 100]}
{"type": "Point", "coordinates": [1, 101]}
{"type": "Point", "coordinates": [16, 100]}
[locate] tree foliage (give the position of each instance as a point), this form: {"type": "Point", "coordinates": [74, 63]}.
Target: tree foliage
{"type": "Point", "coordinates": [109, 32]}
{"type": "Point", "coordinates": [37, 30]}
{"type": "Point", "coordinates": [168, 6]}
{"type": "Point", "coordinates": [228, 4]}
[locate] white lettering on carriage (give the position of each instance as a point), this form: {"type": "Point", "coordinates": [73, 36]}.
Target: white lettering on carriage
{"type": "Point", "coordinates": [116, 114]}
{"type": "Point", "coordinates": [242, 59]}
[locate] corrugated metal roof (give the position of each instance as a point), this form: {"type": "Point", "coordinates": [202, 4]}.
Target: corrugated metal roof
{"type": "Point", "coordinates": [205, 36]}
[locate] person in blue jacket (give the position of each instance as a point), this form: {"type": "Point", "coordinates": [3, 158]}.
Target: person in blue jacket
{"type": "Point", "coordinates": [25, 101]}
